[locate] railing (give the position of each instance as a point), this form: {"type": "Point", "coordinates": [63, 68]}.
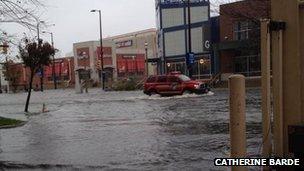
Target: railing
{"type": "Point", "coordinates": [215, 79]}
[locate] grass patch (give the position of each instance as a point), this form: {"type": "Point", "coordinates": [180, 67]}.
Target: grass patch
{"type": "Point", "coordinates": [9, 122]}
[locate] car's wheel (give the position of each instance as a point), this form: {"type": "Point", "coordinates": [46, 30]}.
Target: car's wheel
{"type": "Point", "coordinates": [187, 92]}
{"type": "Point", "coordinates": [152, 92]}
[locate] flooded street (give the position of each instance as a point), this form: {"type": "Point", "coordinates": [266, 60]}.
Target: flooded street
{"type": "Point", "coordinates": [122, 131]}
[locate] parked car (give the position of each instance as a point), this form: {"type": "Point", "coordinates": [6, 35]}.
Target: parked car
{"type": "Point", "coordinates": [174, 84]}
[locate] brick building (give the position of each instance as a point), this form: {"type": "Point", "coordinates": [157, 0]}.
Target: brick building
{"type": "Point", "coordinates": [64, 71]}
{"type": "Point", "coordinates": [239, 47]}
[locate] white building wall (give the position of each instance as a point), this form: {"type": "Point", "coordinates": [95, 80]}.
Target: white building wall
{"type": "Point", "coordinates": [173, 17]}
{"type": "Point", "coordinates": [197, 39]}
{"type": "Point", "coordinates": [198, 14]}
{"type": "Point", "coordinates": [175, 43]}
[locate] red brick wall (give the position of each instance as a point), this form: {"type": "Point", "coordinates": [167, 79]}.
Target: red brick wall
{"type": "Point", "coordinates": [252, 10]}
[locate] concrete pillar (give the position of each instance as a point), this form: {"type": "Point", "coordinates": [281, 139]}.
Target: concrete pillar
{"type": "Point", "coordinates": [266, 91]}
{"type": "Point", "coordinates": [288, 64]}
{"type": "Point", "coordinates": [237, 125]}
{"type": "Point", "coordinates": [77, 80]}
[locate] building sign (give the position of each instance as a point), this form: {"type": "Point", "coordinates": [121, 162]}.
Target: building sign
{"type": "Point", "coordinates": [129, 56]}
{"type": "Point", "coordinates": [123, 44]}
{"type": "Point", "coordinates": [180, 1]}
{"type": "Point", "coordinates": [83, 53]}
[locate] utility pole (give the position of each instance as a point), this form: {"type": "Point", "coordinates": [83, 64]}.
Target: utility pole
{"type": "Point", "coordinates": [41, 68]}
{"type": "Point", "coordinates": [101, 49]}
{"type": "Point", "coordinates": [53, 69]}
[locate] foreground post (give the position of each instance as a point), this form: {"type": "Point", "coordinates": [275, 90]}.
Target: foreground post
{"type": "Point", "coordinates": [237, 118]}
{"type": "Point", "coordinates": [266, 91]}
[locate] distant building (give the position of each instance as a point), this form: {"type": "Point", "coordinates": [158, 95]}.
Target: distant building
{"type": "Point", "coordinates": [64, 71]}
{"type": "Point", "coordinates": [124, 56]}
{"type": "Point", "coordinates": [3, 82]}
{"type": "Point", "coordinates": [239, 47]}
{"type": "Point", "coordinates": [130, 52]}
{"type": "Point", "coordinates": [172, 28]}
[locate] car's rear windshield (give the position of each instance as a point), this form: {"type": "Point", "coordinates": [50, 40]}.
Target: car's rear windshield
{"type": "Point", "coordinates": [151, 79]}
{"type": "Point", "coordinates": [184, 77]}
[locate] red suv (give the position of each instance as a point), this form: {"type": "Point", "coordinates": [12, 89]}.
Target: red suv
{"type": "Point", "coordinates": [173, 84]}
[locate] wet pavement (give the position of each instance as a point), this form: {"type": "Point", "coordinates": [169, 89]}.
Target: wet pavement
{"type": "Point", "coordinates": [122, 131]}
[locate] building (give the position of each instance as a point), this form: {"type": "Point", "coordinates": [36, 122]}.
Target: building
{"type": "Point", "coordinates": [123, 56]}
{"type": "Point", "coordinates": [20, 76]}
{"type": "Point", "coordinates": [3, 82]}
{"type": "Point", "coordinates": [87, 57]}
{"type": "Point", "coordinates": [239, 47]}
{"type": "Point", "coordinates": [173, 36]}
{"type": "Point", "coordinates": [131, 52]}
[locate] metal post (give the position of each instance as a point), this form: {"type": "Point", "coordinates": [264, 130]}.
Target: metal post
{"type": "Point", "coordinates": [266, 101]}
{"type": "Point", "coordinates": [101, 52]}
{"type": "Point", "coordinates": [42, 72]}
{"type": "Point", "coordinates": [7, 71]}
{"type": "Point", "coordinates": [147, 64]}
{"type": "Point", "coordinates": [190, 68]}
{"type": "Point", "coordinates": [237, 118]}
{"type": "Point", "coordinates": [53, 69]}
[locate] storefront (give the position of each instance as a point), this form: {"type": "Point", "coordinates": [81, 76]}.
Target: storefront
{"type": "Point", "coordinates": [201, 68]}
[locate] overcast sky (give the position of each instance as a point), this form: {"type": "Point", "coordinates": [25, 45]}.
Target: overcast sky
{"type": "Point", "coordinates": [74, 22]}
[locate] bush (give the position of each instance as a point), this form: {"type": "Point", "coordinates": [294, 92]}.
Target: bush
{"type": "Point", "coordinates": [126, 84]}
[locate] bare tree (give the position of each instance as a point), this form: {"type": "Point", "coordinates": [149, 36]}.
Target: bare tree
{"type": "Point", "coordinates": [23, 12]}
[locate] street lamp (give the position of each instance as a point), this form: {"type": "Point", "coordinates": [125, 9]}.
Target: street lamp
{"type": "Point", "coordinates": [147, 66]}
{"type": "Point", "coordinates": [53, 69]}
{"type": "Point", "coordinates": [41, 69]}
{"type": "Point", "coordinates": [101, 48]}
{"type": "Point", "coordinates": [38, 24]}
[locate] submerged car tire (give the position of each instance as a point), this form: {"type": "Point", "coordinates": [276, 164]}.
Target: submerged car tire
{"type": "Point", "coordinates": [152, 92]}
{"type": "Point", "coordinates": [187, 92]}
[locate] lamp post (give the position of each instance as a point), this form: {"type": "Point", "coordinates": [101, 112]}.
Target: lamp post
{"type": "Point", "coordinates": [190, 67]}
{"type": "Point", "coordinates": [41, 69]}
{"type": "Point", "coordinates": [147, 64]}
{"type": "Point", "coordinates": [53, 67]}
{"type": "Point", "coordinates": [101, 49]}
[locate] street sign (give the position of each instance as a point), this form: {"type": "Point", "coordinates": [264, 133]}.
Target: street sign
{"type": "Point", "coordinates": [39, 73]}
{"type": "Point", "coordinates": [190, 59]}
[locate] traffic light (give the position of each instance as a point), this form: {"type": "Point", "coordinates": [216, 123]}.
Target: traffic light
{"type": "Point", "coordinates": [4, 48]}
{"type": "Point", "coordinates": [98, 64]}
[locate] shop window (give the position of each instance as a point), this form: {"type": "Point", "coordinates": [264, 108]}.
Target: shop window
{"type": "Point", "coordinates": [241, 30]}
{"type": "Point", "coordinates": [248, 65]}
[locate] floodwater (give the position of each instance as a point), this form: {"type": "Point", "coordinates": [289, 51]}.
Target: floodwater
{"type": "Point", "coordinates": [122, 131]}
